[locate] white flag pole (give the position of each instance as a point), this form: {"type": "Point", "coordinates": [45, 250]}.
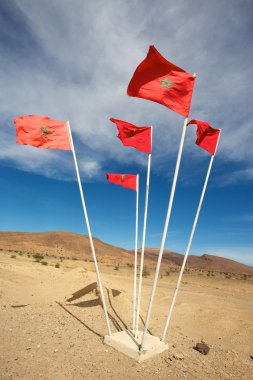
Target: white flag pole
{"type": "Point", "coordinates": [143, 243]}
{"type": "Point", "coordinates": [89, 230]}
{"type": "Point", "coordinates": [136, 250]}
{"type": "Point", "coordinates": [189, 243]}
{"type": "Point", "coordinates": [164, 234]}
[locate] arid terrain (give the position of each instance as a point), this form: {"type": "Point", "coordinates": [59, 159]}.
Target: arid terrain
{"type": "Point", "coordinates": [52, 323]}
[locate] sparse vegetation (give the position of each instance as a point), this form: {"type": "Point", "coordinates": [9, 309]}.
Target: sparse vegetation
{"type": "Point", "coordinates": [168, 273]}
{"type": "Point", "coordinates": [13, 256]}
{"type": "Point", "coordinates": [44, 262]}
{"type": "Point", "coordinates": [116, 267]}
{"type": "Point", "coordinates": [74, 258]}
{"type": "Point", "coordinates": [38, 257]}
{"type": "Point", "coordinates": [130, 265]}
{"type": "Point", "coordinates": [146, 272]}
{"type": "Point", "coordinates": [57, 265]}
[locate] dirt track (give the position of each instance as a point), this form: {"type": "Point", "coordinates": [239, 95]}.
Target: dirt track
{"type": "Point", "coordinates": [49, 334]}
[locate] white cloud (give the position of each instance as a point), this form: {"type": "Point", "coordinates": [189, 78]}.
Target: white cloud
{"type": "Point", "coordinates": [79, 62]}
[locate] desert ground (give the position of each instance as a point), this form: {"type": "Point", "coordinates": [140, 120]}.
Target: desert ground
{"type": "Point", "coordinates": [52, 323]}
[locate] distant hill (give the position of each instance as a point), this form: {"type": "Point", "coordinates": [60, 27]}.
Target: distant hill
{"type": "Point", "coordinates": [72, 245]}
{"type": "Point", "coordinates": [204, 262]}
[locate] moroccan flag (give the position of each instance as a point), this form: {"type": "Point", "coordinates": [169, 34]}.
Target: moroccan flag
{"type": "Point", "coordinates": [131, 135]}
{"type": "Point", "coordinates": [159, 80]}
{"type": "Point", "coordinates": [125, 180]}
{"type": "Point", "coordinates": [42, 132]}
{"type": "Point", "coordinates": [207, 137]}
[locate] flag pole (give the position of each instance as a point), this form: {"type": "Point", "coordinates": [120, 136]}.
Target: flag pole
{"type": "Point", "coordinates": [143, 242]}
{"type": "Point", "coordinates": [89, 230]}
{"type": "Point", "coordinates": [189, 243]}
{"type": "Point", "coordinates": [164, 234]}
{"type": "Point", "coordinates": [135, 251]}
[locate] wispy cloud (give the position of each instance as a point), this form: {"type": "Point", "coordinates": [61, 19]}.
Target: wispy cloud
{"type": "Point", "coordinates": [241, 218]}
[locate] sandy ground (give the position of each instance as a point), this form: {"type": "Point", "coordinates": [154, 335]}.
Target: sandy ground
{"type": "Point", "coordinates": [47, 333]}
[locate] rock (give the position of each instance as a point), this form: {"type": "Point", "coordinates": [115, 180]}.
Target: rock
{"type": "Point", "coordinates": [168, 360]}
{"type": "Point", "coordinates": [202, 348]}
{"type": "Point", "coordinates": [178, 356]}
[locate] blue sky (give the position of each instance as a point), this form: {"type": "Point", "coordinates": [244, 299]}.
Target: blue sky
{"type": "Point", "coordinates": [73, 60]}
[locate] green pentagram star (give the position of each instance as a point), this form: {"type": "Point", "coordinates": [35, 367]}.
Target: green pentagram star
{"type": "Point", "coordinates": [44, 132]}
{"type": "Point", "coordinates": [131, 134]}
{"type": "Point", "coordinates": [166, 83]}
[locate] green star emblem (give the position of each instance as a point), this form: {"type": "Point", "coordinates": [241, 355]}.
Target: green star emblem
{"type": "Point", "coordinates": [165, 82]}
{"type": "Point", "coordinates": [131, 134]}
{"type": "Point", "coordinates": [44, 132]}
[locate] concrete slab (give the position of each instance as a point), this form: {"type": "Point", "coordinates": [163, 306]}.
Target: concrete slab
{"type": "Point", "coordinates": [125, 342]}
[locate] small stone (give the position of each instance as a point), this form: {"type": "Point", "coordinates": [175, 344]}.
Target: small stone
{"type": "Point", "coordinates": [56, 350]}
{"type": "Point", "coordinates": [174, 345]}
{"type": "Point", "coordinates": [168, 360]}
{"type": "Point", "coordinates": [178, 356]}
{"type": "Point", "coordinates": [202, 348]}
{"type": "Point", "coordinates": [28, 348]}
{"type": "Point", "coordinates": [106, 350]}
{"type": "Point", "coordinates": [38, 346]}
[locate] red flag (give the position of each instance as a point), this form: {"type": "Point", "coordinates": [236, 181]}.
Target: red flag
{"type": "Point", "coordinates": [131, 135]}
{"type": "Point", "coordinates": [125, 180]}
{"type": "Point", "coordinates": [159, 80]}
{"type": "Point", "coordinates": [207, 137]}
{"type": "Point", "coordinates": [42, 132]}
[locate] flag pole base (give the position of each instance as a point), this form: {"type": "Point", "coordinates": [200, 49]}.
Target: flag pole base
{"type": "Point", "coordinates": [125, 342]}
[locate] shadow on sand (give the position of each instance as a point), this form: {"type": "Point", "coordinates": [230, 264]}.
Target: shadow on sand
{"type": "Point", "coordinates": [90, 289]}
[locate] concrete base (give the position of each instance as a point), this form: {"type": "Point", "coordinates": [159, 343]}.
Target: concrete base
{"type": "Point", "coordinates": [125, 342]}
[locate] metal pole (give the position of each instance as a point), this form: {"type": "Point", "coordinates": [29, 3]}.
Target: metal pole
{"type": "Point", "coordinates": [164, 233]}
{"type": "Point", "coordinates": [89, 231]}
{"type": "Point", "coordinates": [143, 244]}
{"type": "Point", "coordinates": [136, 250]}
{"type": "Point", "coordinates": [188, 245]}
